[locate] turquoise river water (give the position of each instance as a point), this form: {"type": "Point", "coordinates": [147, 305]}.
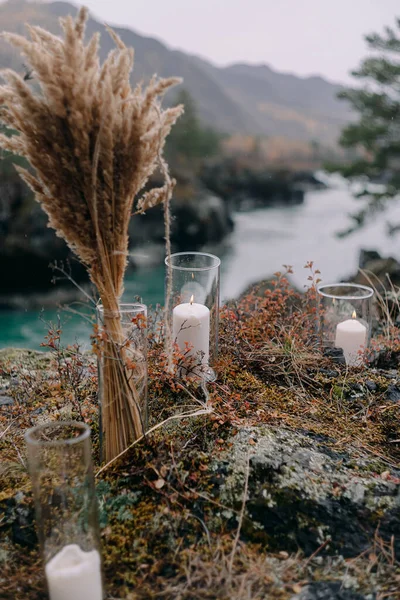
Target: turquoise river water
{"type": "Point", "coordinates": [263, 240]}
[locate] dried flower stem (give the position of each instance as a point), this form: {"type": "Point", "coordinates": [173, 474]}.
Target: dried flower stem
{"type": "Point", "coordinates": [92, 142]}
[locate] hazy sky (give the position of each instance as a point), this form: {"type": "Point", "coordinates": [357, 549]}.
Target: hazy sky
{"type": "Point", "coordinates": [303, 36]}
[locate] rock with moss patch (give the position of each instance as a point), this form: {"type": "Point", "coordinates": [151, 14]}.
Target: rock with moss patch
{"type": "Point", "coordinates": [303, 493]}
{"type": "Point", "coordinates": [327, 591]}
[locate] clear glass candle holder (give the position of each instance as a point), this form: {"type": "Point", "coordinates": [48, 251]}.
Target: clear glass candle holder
{"type": "Point", "coordinates": [122, 369]}
{"type": "Point", "coordinates": [345, 317]}
{"type": "Point", "coordinates": [60, 466]}
{"type": "Point", "coordinates": [194, 312]}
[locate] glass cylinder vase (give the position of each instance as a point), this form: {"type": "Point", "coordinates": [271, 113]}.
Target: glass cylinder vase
{"type": "Point", "coordinates": [345, 317]}
{"type": "Point", "coordinates": [60, 466]}
{"type": "Point", "coordinates": [122, 368]}
{"type": "Point", "coordinates": [194, 293]}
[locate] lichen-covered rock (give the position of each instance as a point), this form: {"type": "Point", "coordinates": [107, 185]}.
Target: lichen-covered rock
{"type": "Point", "coordinates": [21, 357]}
{"type": "Point", "coordinates": [328, 591]}
{"type": "Point", "coordinates": [16, 363]}
{"type": "Point", "coordinates": [304, 494]}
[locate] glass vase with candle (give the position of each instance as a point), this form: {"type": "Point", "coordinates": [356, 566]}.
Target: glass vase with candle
{"type": "Point", "coordinates": [122, 370]}
{"type": "Point", "coordinates": [60, 465]}
{"type": "Point", "coordinates": [192, 297]}
{"type": "Point", "coordinates": [345, 317]}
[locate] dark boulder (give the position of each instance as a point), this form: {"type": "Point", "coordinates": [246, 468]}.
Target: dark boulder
{"type": "Point", "coordinates": [201, 220]}
{"type": "Point", "coordinates": [245, 188]}
{"type": "Point", "coordinates": [381, 270]}
{"type": "Point", "coordinates": [197, 218]}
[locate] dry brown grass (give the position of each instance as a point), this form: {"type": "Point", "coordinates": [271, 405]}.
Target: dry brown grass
{"type": "Point", "coordinates": [92, 142]}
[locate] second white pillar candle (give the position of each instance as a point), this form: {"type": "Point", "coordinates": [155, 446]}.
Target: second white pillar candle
{"type": "Point", "coordinates": [191, 330]}
{"type": "Point", "coordinates": [351, 336]}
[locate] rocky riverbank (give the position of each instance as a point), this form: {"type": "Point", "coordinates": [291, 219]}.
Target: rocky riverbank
{"type": "Point", "coordinates": [202, 211]}
{"type": "Point", "coordinates": [246, 189]}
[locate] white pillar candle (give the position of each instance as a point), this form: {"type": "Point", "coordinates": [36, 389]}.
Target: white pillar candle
{"type": "Point", "coordinates": [191, 327]}
{"type": "Point", "coordinates": [73, 574]}
{"type": "Point", "coordinates": [351, 336]}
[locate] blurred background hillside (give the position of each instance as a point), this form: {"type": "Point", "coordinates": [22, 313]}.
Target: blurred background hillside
{"type": "Point", "coordinates": [249, 154]}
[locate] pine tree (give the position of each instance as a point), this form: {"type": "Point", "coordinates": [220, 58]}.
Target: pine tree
{"type": "Point", "coordinates": [375, 138]}
{"type": "Point", "coordinates": [191, 141]}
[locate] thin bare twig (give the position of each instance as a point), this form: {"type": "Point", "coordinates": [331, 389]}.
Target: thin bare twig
{"type": "Point", "coordinates": [241, 515]}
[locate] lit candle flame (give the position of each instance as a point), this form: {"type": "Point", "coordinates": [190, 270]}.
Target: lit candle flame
{"type": "Point", "coordinates": [354, 315]}
{"type": "Point", "coordinates": [192, 299]}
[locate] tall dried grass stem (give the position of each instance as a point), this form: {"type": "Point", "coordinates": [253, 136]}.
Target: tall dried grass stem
{"type": "Point", "coordinates": [92, 142]}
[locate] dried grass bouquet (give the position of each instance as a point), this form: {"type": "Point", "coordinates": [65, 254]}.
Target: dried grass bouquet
{"type": "Point", "coordinates": [92, 142]}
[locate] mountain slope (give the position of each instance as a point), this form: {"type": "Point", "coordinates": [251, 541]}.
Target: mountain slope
{"type": "Point", "coordinates": [283, 104]}
{"type": "Point", "coordinates": [240, 98]}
